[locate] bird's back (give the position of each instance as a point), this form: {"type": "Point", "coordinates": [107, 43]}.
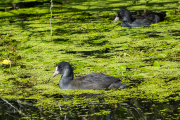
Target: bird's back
{"type": "Point", "coordinates": [93, 81]}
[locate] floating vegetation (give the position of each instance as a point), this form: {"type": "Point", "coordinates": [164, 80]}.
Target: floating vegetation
{"type": "Point", "coordinates": [146, 58]}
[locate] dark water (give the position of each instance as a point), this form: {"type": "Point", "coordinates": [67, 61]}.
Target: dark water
{"type": "Point", "coordinates": [132, 109]}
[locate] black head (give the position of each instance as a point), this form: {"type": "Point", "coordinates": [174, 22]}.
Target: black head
{"type": "Point", "coordinates": [62, 68]}
{"type": "Point", "coordinates": [123, 14]}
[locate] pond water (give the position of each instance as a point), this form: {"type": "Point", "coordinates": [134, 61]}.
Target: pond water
{"type": "Point", "coordinates": [130, 109]}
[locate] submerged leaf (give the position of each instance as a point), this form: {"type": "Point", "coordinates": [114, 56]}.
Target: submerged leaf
{"type": "Point", "coordinates": [12, 48]}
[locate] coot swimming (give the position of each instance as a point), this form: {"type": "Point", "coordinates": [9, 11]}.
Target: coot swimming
{"type": "Point", "coordinates": [90, 81]}
{"type": "Point", "coordinates": [145, 19]}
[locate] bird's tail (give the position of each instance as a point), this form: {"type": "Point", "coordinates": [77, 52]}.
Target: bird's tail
{"type": "Point", "coordinates": [163, 13]}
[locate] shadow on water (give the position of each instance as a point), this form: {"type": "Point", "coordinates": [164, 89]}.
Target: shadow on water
{"type": "Point", "coordinates": [13, 6]}
{"type": "Point", "coordinates": [96, 53]}
{"type": "Point", "coordinates": [132, 109]}
{"type": "Point", "coordinates": [175, 32]}
{"type": "Point", "coordinates": [60, 41]}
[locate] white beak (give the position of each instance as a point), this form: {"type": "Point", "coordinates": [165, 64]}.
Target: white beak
{"type": "Point", "coordinates": [56, 72]}
{"type": "Point", "coordinates": [116, 19]}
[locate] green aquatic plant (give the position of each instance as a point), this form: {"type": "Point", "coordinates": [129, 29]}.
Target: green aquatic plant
{"type": "Point", "coordinates": [122, 68]}
{"type": "Point", "coordinates": [84, 34]}
{"type": "Point", "coordinates": [156, 64]}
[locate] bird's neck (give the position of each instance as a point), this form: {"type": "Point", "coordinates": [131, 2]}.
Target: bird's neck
{"type": "Point", "coordinates": [128, 18]}
{"type": "Point", "coordinates": [66, 78]}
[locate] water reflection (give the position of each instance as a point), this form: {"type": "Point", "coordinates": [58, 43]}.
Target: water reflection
{"type": "Point", "coordinates": [133, 109]}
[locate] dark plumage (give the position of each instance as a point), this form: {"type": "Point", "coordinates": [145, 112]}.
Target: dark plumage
{"type": "Point", "coordinates": [145, 19]}
{"type": "Point", "coordinates": [90, 81]}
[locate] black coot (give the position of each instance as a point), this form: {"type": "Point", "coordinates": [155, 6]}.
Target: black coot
{"type": "Point", "coordinates": [145, 19]}
{"type": "Point", "coordinates": [90, 81]}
